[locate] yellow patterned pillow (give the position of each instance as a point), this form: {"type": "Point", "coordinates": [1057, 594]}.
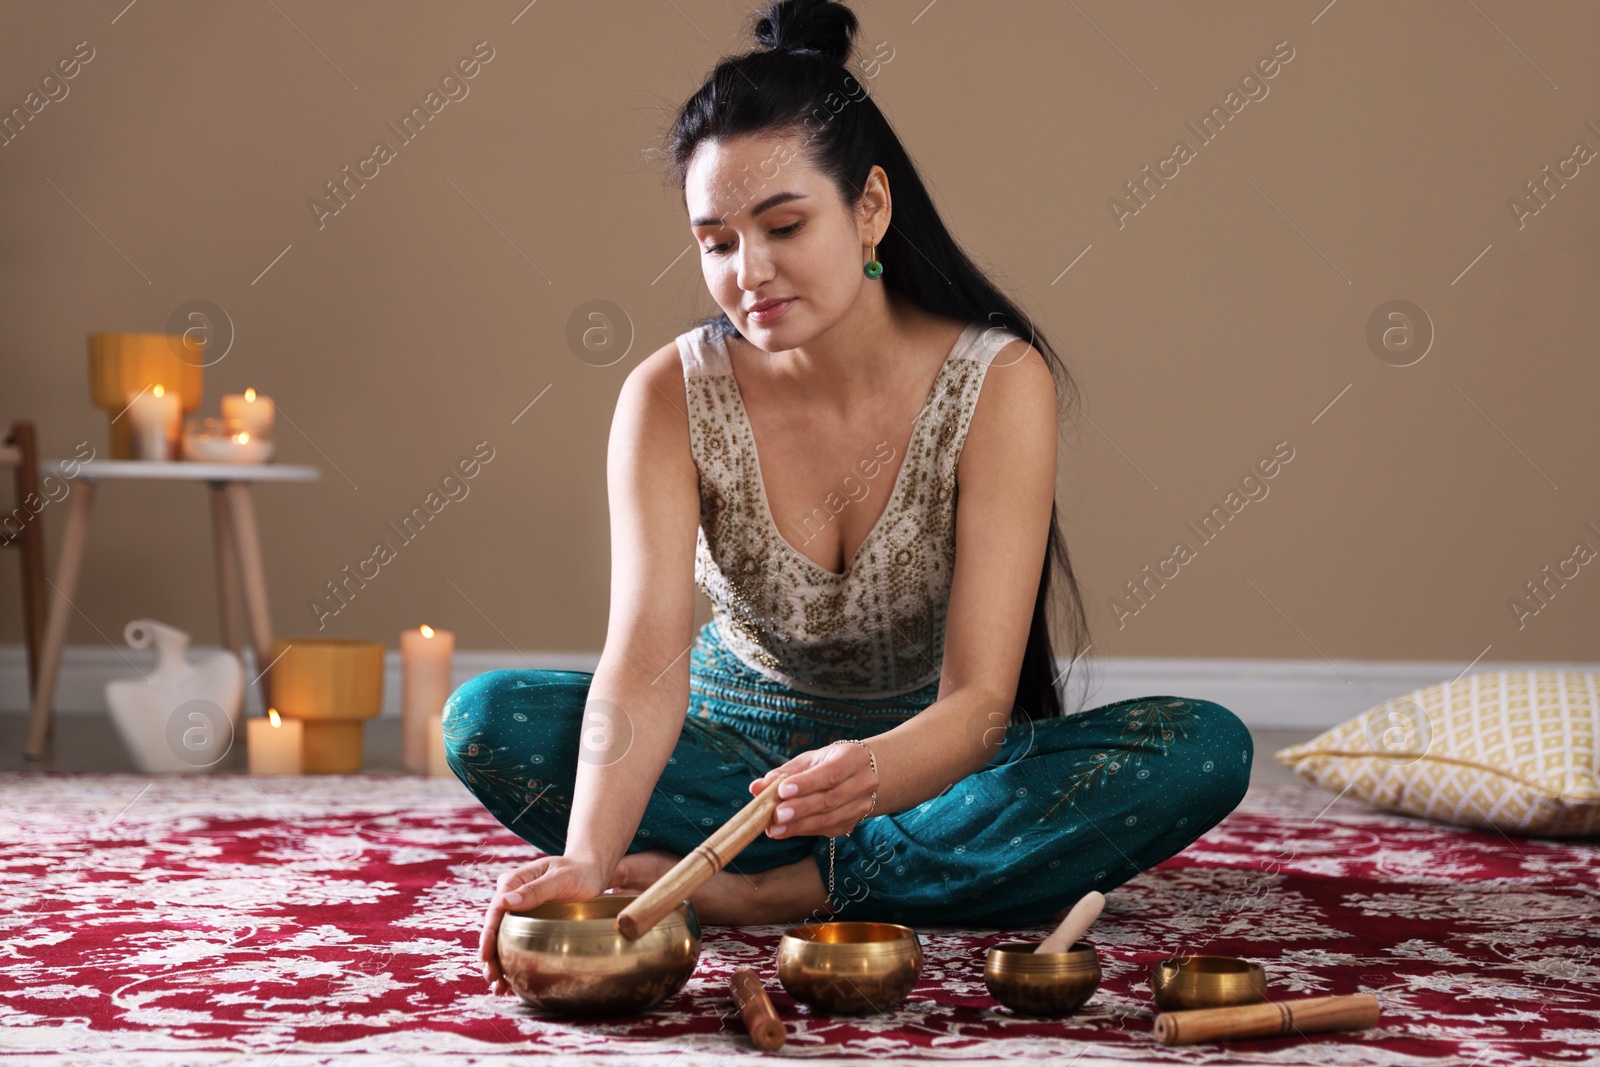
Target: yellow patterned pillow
{"type": "Point", "coordinates": [1513, 750]}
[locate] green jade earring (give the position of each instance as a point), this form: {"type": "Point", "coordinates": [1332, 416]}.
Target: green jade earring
{"type": "Point", "coordinates": [873, 269]}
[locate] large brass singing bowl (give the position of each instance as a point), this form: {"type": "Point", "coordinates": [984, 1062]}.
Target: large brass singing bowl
{"type": "Point", "coordinates": [1185, 983]}
{"type": "Point", "coordinates": [849, 967]}
{"type": "Point", "coordinates": [1041, 983]}
{"type": "Point", "coordinates": [567, 957]}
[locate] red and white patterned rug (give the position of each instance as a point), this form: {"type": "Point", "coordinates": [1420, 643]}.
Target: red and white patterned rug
{"type": "Point", "coordinates": [314, 920]}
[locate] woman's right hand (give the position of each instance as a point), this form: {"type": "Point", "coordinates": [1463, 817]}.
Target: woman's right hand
{"type": "Point", "coordinates": [545, 879]}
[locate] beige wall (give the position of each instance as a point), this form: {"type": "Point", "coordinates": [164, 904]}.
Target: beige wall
{"type": "Point", "coordinates": [1228, 315]}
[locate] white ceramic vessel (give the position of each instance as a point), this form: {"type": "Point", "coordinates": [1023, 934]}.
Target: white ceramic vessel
{"type": "Point", "coordinates": [183, 716]}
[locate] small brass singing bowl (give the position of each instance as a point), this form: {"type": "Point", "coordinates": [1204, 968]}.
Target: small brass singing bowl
{"type": "Point", "coordinates": [569, 958]}
{"type": "Point", "coordinates": [849, 967]}
{"type": "Point", "coordinates": [1041, 983]}
{"type": "Point", "coordinates": [1183, 983]}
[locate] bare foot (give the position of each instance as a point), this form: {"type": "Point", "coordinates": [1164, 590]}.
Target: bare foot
{"type": "Point", "coordinates": [727, 899]}
{"type": "Point", "coordinates": [782, 894]}
{"type": "Point", "coordinates": [638, 871]}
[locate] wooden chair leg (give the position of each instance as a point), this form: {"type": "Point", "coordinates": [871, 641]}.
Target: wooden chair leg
{"type": "Point", "coordinates": [227, 568]}
{"type": "Point", "coordinates": [242, 512]}
{"type": "Point", "coordinates": [41, 727]}
{"type": "Point", "coordinates": [35, 592]}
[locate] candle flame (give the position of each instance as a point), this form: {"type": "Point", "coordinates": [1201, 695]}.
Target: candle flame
{"type": "Point", "coordinates": [272, 713]}
{"type": "Point", "coordinates": [427, 631]}
{"type": "Point", "coordinates": [250, 395]}
{"type": "Point", "coordinates": [243, 437]}
{"type": "Point", "coordinates": [160, 390]}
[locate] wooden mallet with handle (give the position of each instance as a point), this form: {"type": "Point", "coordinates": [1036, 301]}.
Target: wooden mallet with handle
{"type": "Point", "coordinates": [1272, 1018]}
{"type": "Point", "coordinates": [701, 864]}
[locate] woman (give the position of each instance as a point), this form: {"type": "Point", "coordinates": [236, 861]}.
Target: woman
{"type": "Point", "coordinates": [886, 649]}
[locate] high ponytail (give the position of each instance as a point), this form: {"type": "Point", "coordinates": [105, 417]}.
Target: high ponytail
{"type": "Point", "coordinates": [795, 81]}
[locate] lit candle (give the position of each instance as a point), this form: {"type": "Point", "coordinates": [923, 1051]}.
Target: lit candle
{"type": "Point", "coordinates": [254, 412]}
{"type": "Point", "coordinates": [425, 655]}
{"type": "Point", "coordinates": [275, 744]}
{"type": "Point", "coordinates": [223, 441]}
{"type": "Point", "coordinates": [153, 417]}
{"type": "Point", "coordinates": [436, 764]}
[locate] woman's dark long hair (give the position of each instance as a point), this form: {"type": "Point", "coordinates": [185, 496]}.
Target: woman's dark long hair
{"type": "Point", "coordinates": [797, 81]}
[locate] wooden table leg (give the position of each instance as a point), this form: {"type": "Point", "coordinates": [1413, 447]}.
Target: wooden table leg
{"type": "Point", "coordinates": [242, 512]}
{"type": "Point", "coordinates": [41, 727]}
{"type": "Point", "coordinates": [227, 568]}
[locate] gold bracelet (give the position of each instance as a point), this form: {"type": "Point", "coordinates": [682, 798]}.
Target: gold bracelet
{"type": "Point", "coordinates": [871, 756]}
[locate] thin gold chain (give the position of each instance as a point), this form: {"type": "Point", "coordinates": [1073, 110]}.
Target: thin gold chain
{"type": "Point", "coordinates": [874, 760]}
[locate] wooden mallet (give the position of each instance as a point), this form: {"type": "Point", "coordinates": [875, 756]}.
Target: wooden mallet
{"type": "Point", "coordinates": [760, 1017]}
{"type": "Point", "coordinates": [1273, 1018]}
{"type": "Point", "coordinates": [701, 864]}
{"type": "Point", "coordinates": [1079, 919]}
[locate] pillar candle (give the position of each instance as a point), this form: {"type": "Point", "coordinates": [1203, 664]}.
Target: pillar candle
{"type": "Point", "coordinates": [425, 655]}
{"type": "Point", "coordinates": [153, 417]}
{"type": "Point", "coordinates": [254, 411]}
{"type": "Point", "coordinates": [437, 767]}
{"type": "Point", "coordinates": [275, 744]}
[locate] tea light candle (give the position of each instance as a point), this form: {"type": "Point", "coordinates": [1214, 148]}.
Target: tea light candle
{"type": "Point", "coordinates": [254, 411]}
{"type": "Point", "coordinates": [153, 417]}
{"type": "Point", "coordinates": [275, 744]}
{"type": "Point", "coordinates": [425, 658]}
{"type": "Point", "coordinates": [223, 441]}
{"type": "Point", "coordinates": [437, 767]}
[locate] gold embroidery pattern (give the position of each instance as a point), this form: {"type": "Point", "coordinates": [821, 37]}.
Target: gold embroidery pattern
{"type": "Point", "coordinates": [877, 629]}
{"type": "Point", "coordinates": [1148, 725]}
{"type": "Point", "coordinates": [502, 773]}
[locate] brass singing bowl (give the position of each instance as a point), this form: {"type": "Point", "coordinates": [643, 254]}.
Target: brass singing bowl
{"type": "Point", "coordinates": [1183, 983]}
{"type": "Point", "coordinates": [1041, 983]}
{"type": "Point", "coordinates": [849, 967]}
{"type": "Point", "coordinates": [568, 957]}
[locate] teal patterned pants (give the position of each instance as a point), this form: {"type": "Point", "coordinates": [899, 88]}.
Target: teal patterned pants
{"type": "Point", "coordinates": [1066, 805]}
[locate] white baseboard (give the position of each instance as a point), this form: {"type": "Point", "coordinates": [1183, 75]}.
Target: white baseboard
{"type": "Point", "coordinates": [85, 670]}
{"type": "Point", "coordinates": [1283, 693]}
{"type": "Point", "coordinates": [1269, 694]}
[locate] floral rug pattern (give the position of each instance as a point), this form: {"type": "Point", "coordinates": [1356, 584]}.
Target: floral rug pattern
{"type": "Point", "coordinates": [306, 921]}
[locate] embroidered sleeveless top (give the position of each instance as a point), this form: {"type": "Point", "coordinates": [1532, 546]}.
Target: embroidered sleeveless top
{"type": "Point", "coordinates": [878, 628]}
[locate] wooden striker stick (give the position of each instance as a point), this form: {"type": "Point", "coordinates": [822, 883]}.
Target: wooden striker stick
{"type": "Point", "coordinates": [1275, 1018]}
{"type": "Point", "coordinates": [760, 1017]}
{"type": "Point", "coordinates": [1079, 919]}
{"type": "Point", "coordinates": [701, 864]}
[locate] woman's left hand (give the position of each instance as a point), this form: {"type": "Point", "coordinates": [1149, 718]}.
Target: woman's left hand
{"type": "Point", "coordinates": [828, 791]}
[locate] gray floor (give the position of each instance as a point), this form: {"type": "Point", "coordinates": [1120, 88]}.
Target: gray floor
{"type": "Point", "coordinates": [87, 742]}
